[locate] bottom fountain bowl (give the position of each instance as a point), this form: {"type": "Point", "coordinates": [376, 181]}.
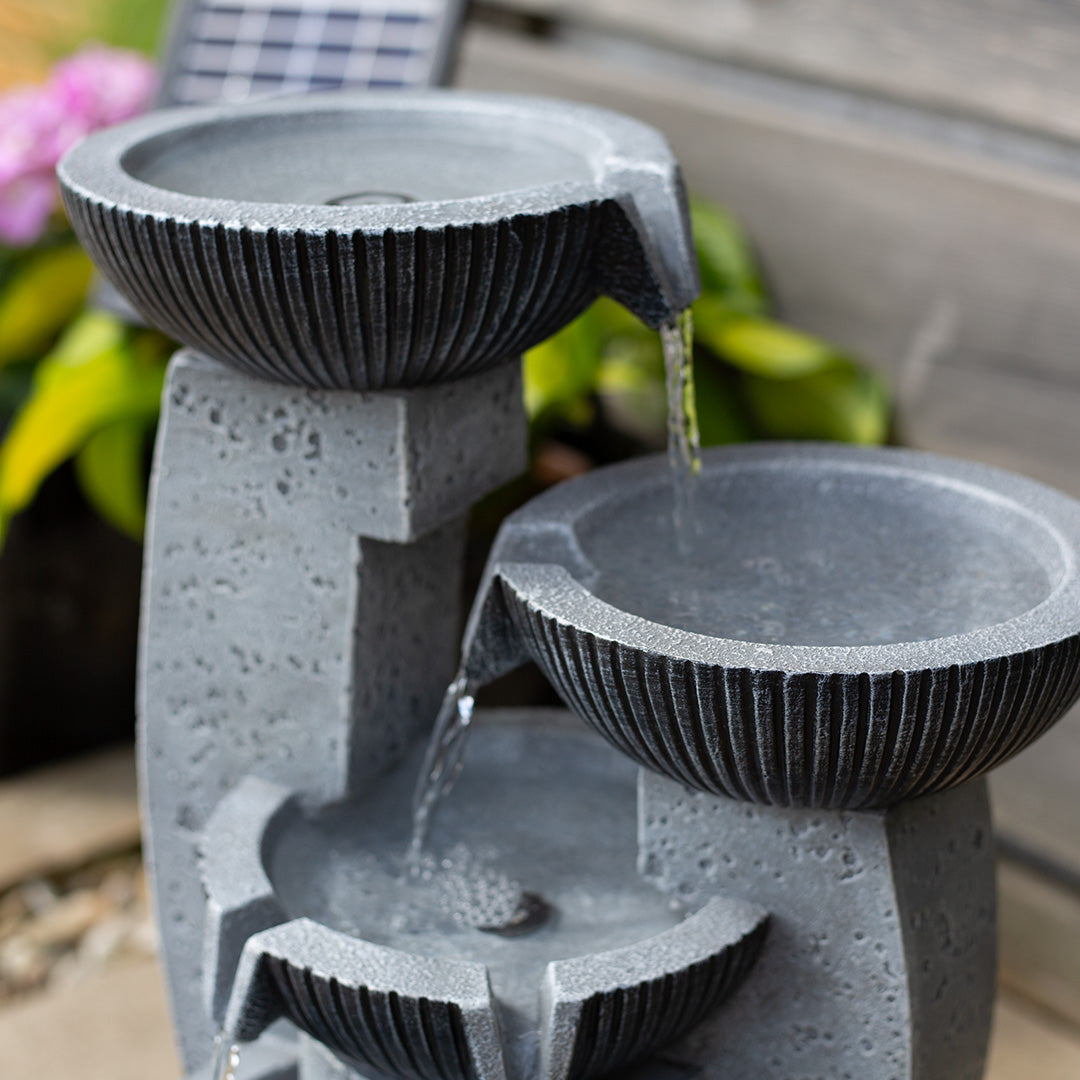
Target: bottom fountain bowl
{"type": "Point", "coordinates": [524, 943]}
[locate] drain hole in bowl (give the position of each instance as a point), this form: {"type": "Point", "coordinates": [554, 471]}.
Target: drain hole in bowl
{"type": "Point", "coordinates": [370, 198]}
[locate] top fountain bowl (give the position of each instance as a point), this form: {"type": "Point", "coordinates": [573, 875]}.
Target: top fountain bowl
{"type": "Point", "coordinates": [365, 241]}
{"type": "Point", "coordinates": [856, 627]}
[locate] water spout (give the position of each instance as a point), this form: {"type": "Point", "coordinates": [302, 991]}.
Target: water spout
{"type": "Point", "coordinates": [646, 258]}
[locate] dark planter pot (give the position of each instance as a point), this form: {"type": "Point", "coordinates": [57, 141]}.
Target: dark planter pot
{"type": "Point", "coordinates": [69, 599]}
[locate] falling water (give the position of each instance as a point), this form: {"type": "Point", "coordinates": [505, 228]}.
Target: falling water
{"type": "Point", "coordinates": [442, 762]}
{"type": "Point", "coordinates": [449, 737]}
{"type": "Point", "coordinates": [684, 440]}
{"type": "Point", "coordinates": [226, 1058]}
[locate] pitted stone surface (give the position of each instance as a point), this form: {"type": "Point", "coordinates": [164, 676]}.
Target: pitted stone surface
{"type": "Point", "coordinates": [606, 1011]}
{"type": "Point", "coordinates": [277, 640]}
{"type": "Point", "coordinates": [390, 466]}
{"type": "Point", "coordinates": [412, 1017]}
{"type": "Point", "coordinates": [880, 959]}
{"type": "Point", "coordinates": [240, 899]}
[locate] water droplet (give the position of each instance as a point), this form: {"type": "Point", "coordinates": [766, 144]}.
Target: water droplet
{"type": "Point", "coordinates": [226, 1058]}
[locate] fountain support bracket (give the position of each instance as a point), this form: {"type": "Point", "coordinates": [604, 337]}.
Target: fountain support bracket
{"type": "Point", "coordinates": [881, 957]}
{"type": "Point", "coordinates": [340, 518]}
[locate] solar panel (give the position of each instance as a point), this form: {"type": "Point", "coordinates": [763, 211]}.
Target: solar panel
{"type": "Point", "coordinates": [235, 49]}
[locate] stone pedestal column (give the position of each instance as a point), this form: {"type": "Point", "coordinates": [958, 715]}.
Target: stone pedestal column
{"type": "Point", "coordinates": [301, 601]}
{"type": "Point", "coordinates": [880, 959]}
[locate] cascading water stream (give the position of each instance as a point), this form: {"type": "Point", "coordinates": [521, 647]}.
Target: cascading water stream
{"type": "Point", "coordinates": [443, 757]}
{"type": "Point", "coordinates": [442, 762]}
{"type": "Point", "coordinates": [226, 1059]}
{"type": "Point", "coordinates": [683, 437]}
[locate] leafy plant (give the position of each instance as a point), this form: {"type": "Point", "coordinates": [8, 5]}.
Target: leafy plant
{"type": "Point", "coordinates": [755, 376]}
{"type": "Point", "coordinates": [73, 384]}
{"type": "Point", "coordinates": [93, 398]}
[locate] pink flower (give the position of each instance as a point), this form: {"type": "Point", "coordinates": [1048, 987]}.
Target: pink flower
{"type": "Point", "coordinates": [104, 86]}
{"type": "Point", "coordinates": [32, 121]}
{"type": "Point", "coordinates": [92, 89]}
{"type": "Point", "coordinates": [26, 205]}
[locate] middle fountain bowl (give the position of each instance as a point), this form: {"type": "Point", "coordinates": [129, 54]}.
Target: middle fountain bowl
{"type": "Point", "coordinates": [855, 628]}
{"type": "Point", "coordinates": [368, 241]}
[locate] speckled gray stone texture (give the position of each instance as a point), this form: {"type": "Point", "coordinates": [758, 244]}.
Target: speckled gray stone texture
{"type": "Point", "coordinates": [240, 898]}
{"type": "Point", "coordinates": [278, 638]}
{"type": "Point", "coordinates": [880, 959]}
{"type": "Point", "coordinates": [422, 1018]}
{"type": "Point", "coordinates": [605, 1011]}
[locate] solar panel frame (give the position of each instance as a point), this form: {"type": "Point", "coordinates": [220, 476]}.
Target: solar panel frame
{"type": "Point", "coordinates": [235, 49]}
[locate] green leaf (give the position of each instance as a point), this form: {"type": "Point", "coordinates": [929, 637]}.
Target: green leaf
{"type": "Point", "coordinates": [110, 472]}
{"type": "Point", "coordinates": [762, 347]}
{"type": "Point", "coordinates": [130, 24]}
{"type": "Point", "coordinates": [16, 382]}
{"type": "Point", "coordinates": [90, 335]}
{"type": "Point", "coordinates": [721, 418]}
{"type": "Point", "coordinates": [43, 295]}
{"type": "Point", "coordinates": [561, 370]}
{"type": "Point", "coordinates": [728, 267]}
{"type": "Point", "coordinates": [611, 320]}
{"type": "Point", "coordinates": [92, 380]}
{"type": "Point", "coordinates": [845, 403]}
{"type": "Point", "coordinates": [630, 383]}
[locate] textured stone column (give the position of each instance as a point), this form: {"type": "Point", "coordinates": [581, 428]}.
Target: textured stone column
{"type": "Point", "coordinates": [880, 959]}
{"type": "Point", "coordinates": [301, 600]}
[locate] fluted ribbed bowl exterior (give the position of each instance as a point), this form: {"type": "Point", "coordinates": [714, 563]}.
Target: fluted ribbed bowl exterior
{"type": "Point", "coordinates": [855, 725]}
{"type": "Point", "coordinates": [411, 1038]}
{"type": "Point", "coordinates": [623, 1025]}
{"type": "Point", "coordinates": [349, 310]}
{"type": "Point", "coordinates": [807, 739]}
{"type": "Point", "coordinates": [228, 227]}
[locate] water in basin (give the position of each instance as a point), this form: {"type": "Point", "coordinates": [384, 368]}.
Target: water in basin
{"type": "Point", "coordinates": [541, 817]}
{"type": "Point", "coordinates": [333, 157]}
{"type": "Point", "coordinates": [820, 556]}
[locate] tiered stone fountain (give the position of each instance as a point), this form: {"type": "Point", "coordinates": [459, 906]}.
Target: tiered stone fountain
{"type": "Point", "coordinates": [781, 866]}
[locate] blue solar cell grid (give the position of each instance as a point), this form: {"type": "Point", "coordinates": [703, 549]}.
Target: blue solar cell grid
{"type": "Point", "coordinates": [234, 49]}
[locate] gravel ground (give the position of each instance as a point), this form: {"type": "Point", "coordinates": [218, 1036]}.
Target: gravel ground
{"type": "Point", "coordinates": [56, 930]}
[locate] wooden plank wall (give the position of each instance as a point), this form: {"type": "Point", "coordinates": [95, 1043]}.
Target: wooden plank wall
{"type": "Point", "coordinates": [1015, 61]}
{"type": "Point", "coordinates": [908, 173]}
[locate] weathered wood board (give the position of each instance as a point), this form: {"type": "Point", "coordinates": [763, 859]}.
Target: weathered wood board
{"type": "Point", "coordinates": [865, 234]}
{"type": "Point", "coordinates": [1039, 940]}
{"type": "Point", "coordinates": [1017, 61]}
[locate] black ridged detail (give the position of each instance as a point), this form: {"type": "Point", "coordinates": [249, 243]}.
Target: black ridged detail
{"type": "Point", "coordinates": [399, 1036]}
{"type": "Point", "coordinates": [851, 741]}
{"type": "Point", "coordinates": [357, 311]}
{"type": "Point", "coordinates": [624, 1025]}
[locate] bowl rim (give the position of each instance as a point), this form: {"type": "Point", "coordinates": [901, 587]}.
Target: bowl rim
{"type": "Point", "coordinates": [546, 584]}
{"type": "Point", "coordinates": [615, 146]}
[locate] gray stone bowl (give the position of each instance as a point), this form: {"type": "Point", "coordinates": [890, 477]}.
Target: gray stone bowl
{"type": "Point", "coordinates": [362, 241]}
{"type": "Point", "coordinates": [303, 926]}
{"type": "Point", "coordinates": [858, 627]}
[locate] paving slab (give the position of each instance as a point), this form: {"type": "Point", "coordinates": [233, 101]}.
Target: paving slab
{"type": "Point", "coordinates": [111, 1026]}
{"type": "Point", "coordinates": [1029, 1045]}
{"type": "Point", "coordinates": [62, 816]}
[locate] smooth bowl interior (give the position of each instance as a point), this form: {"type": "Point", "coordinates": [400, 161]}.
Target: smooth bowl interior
{"type": "Point", "coordinates": [359, 157]}
{"type": "Point", "coordinates": [823, 553]}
